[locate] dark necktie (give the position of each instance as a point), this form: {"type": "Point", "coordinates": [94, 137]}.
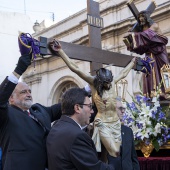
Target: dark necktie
{"type": "Point", "coordinates": [27, 112]}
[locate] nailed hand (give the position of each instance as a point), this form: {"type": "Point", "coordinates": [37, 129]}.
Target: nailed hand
{"type": "Point", "coordinates": [55, 46]}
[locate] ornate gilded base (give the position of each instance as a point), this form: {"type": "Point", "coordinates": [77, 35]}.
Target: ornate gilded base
{"type": "Point", "coordinates": [166, 146]}
{"type": "Point", "coordinates": [146, 149]}
{"type": "Point", "coordinates": [164, 151]}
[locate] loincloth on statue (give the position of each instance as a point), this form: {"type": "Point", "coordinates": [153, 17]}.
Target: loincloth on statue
{"type": "Point", "coordinates": [110, 135]}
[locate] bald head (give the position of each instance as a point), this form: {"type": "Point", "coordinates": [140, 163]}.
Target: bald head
{"type": "Point", "coordinates": [19, 86]}
{"type": "Point", "coordinates": [21, 96]}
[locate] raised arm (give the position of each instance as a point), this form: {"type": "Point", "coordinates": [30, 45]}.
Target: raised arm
{"type": "Point", "coordinates": [9, 84]}
{"type": "Point", "coordinates": [55, 48]}
{"type": "Point", "coordinates": [123, 73]}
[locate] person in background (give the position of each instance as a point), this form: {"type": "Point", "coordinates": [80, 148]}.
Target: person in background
{"type": "Point", "coordinates": [68, 146]}
{"type": "Point", "coordinates": [128, 156]}
{"type": "Point", "coordinates": [120, 108]}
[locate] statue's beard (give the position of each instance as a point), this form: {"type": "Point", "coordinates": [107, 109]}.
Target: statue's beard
{"type": "Point", "coordinates": [142, 23]}
{"type": "Point", "coordinates": [107, 87]}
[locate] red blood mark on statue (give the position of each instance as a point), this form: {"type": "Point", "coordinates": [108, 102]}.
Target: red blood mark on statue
{"type": "Point", "coordinates": [104, 101]}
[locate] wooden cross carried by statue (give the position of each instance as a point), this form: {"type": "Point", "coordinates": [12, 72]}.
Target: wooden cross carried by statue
{"type": "Point", "coordinates": [127, 40]}
{"type": "Point", "coordinates": [135, 12]}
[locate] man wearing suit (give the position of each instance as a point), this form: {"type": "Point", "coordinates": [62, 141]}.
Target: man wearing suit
{"type": "Point", "coordinates": [23, 126]}
{"type": "Point", "coordinates": [68, 146]}
{"type": "Point", "coordinates": [129, 160]}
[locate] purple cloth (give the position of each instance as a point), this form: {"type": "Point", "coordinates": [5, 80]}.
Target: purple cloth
{"type": "Point", "coordinates": [154, 46]}
{"type": "Point", "coordinates": [28, 45]}
{"type": "Point", "coordinates": [146, 65]}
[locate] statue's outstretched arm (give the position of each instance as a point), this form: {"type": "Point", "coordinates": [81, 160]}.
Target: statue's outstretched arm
{"type": "Point", "coordinates": [55, 48]}
{"type": "Point", "coordinates": [123, 73]}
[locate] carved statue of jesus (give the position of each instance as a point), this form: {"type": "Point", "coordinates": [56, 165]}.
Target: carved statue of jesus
{"type": "Point", "coordinates": [107, 126]}
{"type": "Point", "coordinates": [151, 42]}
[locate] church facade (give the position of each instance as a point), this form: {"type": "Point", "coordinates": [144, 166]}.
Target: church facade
{"type": "Point", "coordinates": [50, 77]}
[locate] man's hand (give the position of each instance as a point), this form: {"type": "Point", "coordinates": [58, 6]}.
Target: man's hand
{"type": "Point", "coordinates": [23, 63]}
{"type": "Point", "coordinates": [54, 46]}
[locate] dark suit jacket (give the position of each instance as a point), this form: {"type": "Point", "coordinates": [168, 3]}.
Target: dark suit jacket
{"type": "Point", "coordinates": [23, 139]}
{"type": "Point", "coordinates": [128, 158]}
{"type": "Point", "coordinates": [70, 148]}
{"type": "Point", "coordinates": [128, 152]}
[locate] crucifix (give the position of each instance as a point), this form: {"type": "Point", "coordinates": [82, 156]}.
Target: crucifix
{"type": "Point", "coordinates": [93, 54]}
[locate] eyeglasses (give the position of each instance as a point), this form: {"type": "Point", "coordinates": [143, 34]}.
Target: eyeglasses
{"type": "Point", "coordinates": [89, 105]}
{"type": "Point", "coordinates": [121, 108]}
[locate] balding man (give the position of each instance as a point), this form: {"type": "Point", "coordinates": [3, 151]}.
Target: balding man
{"type": "Point", "coordinates": [23, 125]}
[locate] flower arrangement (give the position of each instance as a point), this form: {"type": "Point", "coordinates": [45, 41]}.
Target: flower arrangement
{"type": "Point", "coordinates": [147, 121]}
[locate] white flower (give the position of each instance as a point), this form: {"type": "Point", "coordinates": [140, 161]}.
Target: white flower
{"type": "Point", "coordinates": [146, 121]}
{"type": "Point", "coordinates": [144, 134]}
{"type": "Point", "coordinates": [157, 104]}
{"type": "Point", "coordinates": [158, 128]}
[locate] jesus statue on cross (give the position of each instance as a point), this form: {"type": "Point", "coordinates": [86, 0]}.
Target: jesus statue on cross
{"type": "Point", "coordinates": [107, 126]}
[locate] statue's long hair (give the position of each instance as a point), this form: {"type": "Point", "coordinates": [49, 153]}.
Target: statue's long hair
{"type": "Point", "coordinates": [98, 86]}
{"type": "Point", "coordinates": [102, 76]}
{"type": "Point", "coordinates": [149, 21]}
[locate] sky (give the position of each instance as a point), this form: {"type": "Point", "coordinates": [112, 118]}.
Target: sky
{"type": "Point", "coordinates": [44, 9]}
{"type": "Point", "coordinates": [36, 10]}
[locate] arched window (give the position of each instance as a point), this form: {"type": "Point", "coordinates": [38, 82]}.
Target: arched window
{"type": "Point", "coordinates": [64, 88]}
{"type": "Point", "coordinates": [61, 86]}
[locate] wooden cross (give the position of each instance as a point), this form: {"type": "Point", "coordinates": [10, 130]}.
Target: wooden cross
{"type": "Point", "coordinates": [93, 54]}
{"type": "Point", "coordinates": [93, 13]}
{"type": "Point", "coordinates": [135, 12]}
